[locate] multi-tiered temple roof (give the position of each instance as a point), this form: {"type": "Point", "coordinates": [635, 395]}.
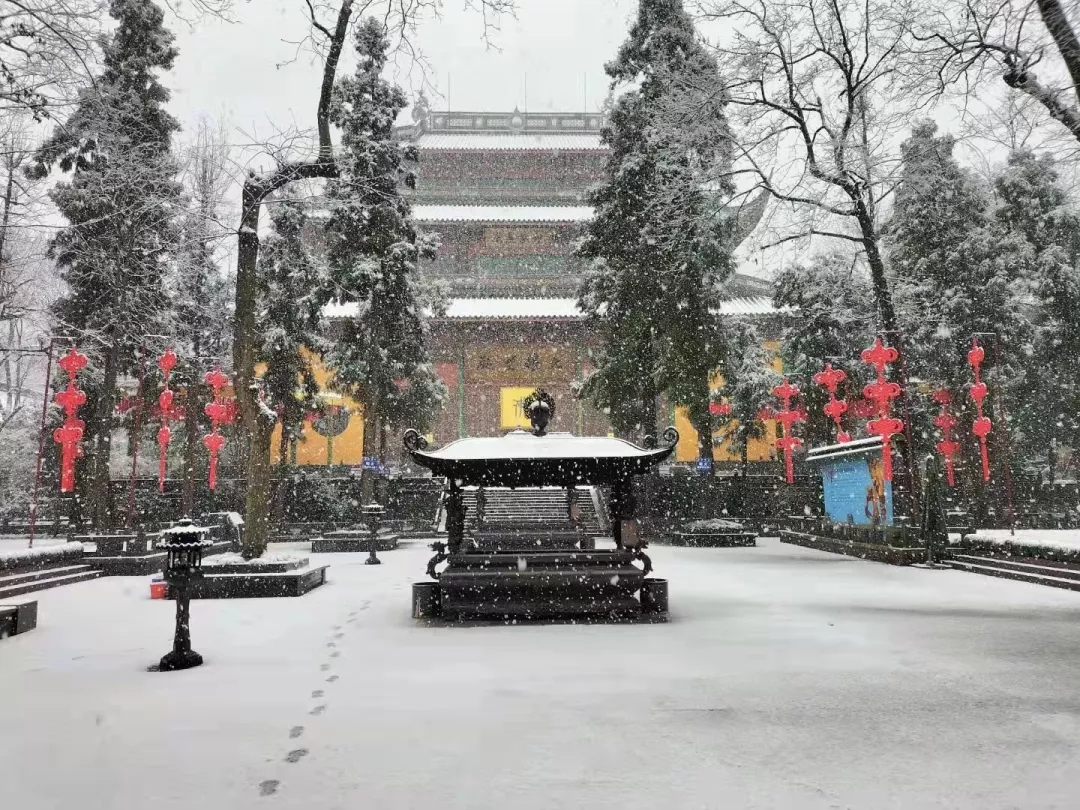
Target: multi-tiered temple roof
{"type": "Point", "coordinates": [507, 194]}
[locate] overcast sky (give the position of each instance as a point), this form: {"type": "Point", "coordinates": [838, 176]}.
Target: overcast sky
{"type": "Point", "coordinates": [550, 58]}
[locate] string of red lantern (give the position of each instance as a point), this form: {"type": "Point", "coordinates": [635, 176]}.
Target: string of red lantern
{"type": "Point", "coordinates": [830, 378]}
{"type": "Point", "coordinates": [788, 417]}
{"type": "Point", "coordinates": [946, 421]}
{"type": "Point", "coordinates": [218, 411]}
{"type": "Point", "coordinates": [982, 426]}
{"type": "Point", "coordinates": [882, 393]}
{"type": "Point", "coordinates": [70, 433]}
{"type": "Point", "coordinates": [167, 362]}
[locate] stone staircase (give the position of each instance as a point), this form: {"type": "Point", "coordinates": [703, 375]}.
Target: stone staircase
{"type": "Point", "coordinates": [1025, 569]}
{"type": "Point", "coordinates": [533, 505]}
{"type": "Point", "coordinates": [18, 582]}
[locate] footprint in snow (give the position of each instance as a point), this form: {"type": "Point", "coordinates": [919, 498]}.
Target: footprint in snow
{"type": "Point", "coordinates": [332, 678]}
{"type": "Point", "coordinates": [296, 755]}
{"type": "Point", "coordinates": [318, 710]}
{"type": "Point", "coordinates": [268, 787]}
{"type": "Point", "coordinates": [295, 732]}
{"type": "Point", "coordinates": [318, 693]}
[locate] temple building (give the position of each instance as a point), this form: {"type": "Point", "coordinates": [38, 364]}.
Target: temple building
{"type": "Point", "coordinates": [506, 193]}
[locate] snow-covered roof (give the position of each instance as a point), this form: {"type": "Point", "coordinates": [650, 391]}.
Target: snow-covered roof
{"type": "Point", "coordinates": [511, 142]}
{"type": "Point", "coordinates": [542, 308]}
{"type": "Point", "coordinates": [502, 213]}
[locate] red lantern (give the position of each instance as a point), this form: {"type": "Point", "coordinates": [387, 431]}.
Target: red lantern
{"type": "Point", "coordinates": [946, 421]}
{"type": "Point", "coordinates": [167, 362]}
{"type": "Point", "coordinates": [720, 408]}
{"type": "Point", "coordinates": [788, 417]}
{"type": "Point", "coordinates": [219, 411]}
{"type": "Point", "coordinates": [70, 433]}
{"type": "Point", "coordinates": [881, 393]}
{"type": "Point", "coordinates": [835, 408]}
{"type": "Point", "coordinates": [982, 426]}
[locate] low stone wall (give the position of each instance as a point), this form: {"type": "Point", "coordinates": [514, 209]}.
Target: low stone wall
{"type": "Point", "coordinates": [893, 555]}
{"type": "Point", "coordinates": [975, 544]}
{"type": "Point", "coordinates": [42, 557]}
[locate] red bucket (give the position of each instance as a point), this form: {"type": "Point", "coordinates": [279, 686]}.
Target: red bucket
{"type": "Point", "coordinates": [157, 589]}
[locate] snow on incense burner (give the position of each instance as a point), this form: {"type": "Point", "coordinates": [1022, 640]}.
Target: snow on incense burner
{"type": "Point", "coordinates": [882, 393]}
{"type": "Point", "coordinates": [982, 426]}
{"type": "Point", "coordinates": [70, 433]}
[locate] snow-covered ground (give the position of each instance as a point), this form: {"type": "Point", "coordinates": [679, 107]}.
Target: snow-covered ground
{"type": "Point", "coordinates": [787, 678]}
{"type": "Point", "coordinates": [1050, 538]}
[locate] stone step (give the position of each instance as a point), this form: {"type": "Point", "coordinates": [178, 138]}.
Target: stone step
{"type": "Point", "coordinates": [1026, 565]}
{"type": "Point", "coordinates": [40, 573]}
{"type": "Point", "coordinates": [55, 579]}
{"type": "Point", "coordinates": [990, 567]}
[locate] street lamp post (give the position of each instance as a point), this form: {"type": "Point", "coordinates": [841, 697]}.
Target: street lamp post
{"type": "Point", "coordinates": [373, 512]}
{"type": "Point", "coordinates": [184, 544]}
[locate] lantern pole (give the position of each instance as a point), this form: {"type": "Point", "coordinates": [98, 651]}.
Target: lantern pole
{"type": "Point", "coordinates": [41, 439]}
{"type": "Point", "coordinates": [1007, 443]}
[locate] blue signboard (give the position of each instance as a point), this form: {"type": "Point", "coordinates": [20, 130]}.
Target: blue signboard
{"type": "Point", "coordinates": [704, 465]}
{"type": "Point", "coordinates": [372, 463]}
{"type": "Point", "coordinates": [856, 490]}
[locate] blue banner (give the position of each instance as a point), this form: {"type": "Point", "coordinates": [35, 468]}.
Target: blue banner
{"type": "Point", "coordinates": [856, 490]}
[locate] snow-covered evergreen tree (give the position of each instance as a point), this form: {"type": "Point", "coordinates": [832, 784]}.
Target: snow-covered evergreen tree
{"type": "Point", "coordinates": [1034, 207]}
{"type": "Point", "coordinates": [120, 204]}
{"type": "Point", "coordinates": [955, 275]}
{"type": "Point", "coordinates": [749, 380]}
{"type": "Point", "coordinates": [833, 299]}
{"type": "Point", "coordinates": [292, 294]}
{"type": "Point", "coordinates": [657, 241]}
{"type": "Point", "coordinates": [374, 250]}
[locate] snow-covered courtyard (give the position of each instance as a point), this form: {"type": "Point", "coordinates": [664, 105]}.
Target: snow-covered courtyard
{"type": "Point", "coordinates": [786, 678]}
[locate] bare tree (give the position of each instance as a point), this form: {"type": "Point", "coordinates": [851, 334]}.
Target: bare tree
{"type": "Point", "coordinates": [26, 287]}
{"type": "Point", "coordinates": [50, 49]}
{"type": "Point", "coordinates": [1032, 45]}
{"type": "Point", "coordinates": [327, 40]}
{"type": "Point", "coordinates": [815, 81]}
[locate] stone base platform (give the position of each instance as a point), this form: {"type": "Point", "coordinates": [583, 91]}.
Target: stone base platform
{"type": "Point", "coordinates": [257, 579]}
{"type": "Point", "coordinates": [892, 555]}
{"type": "Point", "coordinates": [17, 617]}
{"type": "Point", "coordinates": [541, 585]}
{"type": "Point", "coordinates": [354, 542]}
{"type": "Point", "coordinates": [728, 539]}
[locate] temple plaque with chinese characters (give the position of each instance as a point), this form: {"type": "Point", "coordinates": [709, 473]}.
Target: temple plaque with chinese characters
{"type": "Point", "coordinates": [511, 363]}
{"type": "Point", "coordinates": [519, 241]}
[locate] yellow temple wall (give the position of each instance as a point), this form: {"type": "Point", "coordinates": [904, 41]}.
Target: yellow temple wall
{"type": "Point", "coordinates": [315, 450]}
{"type": "Point", "coordinates": [757, 449]}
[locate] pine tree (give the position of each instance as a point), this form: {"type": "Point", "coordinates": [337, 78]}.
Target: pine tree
{"type": "Point", "coordinates": [658, 241]}
{"type": "Point", "coordinates": [120, 204]}
{"type": "Point", "coordinates": [1034, 207]}
{"type": "Point", "coordinates": [293, 292]}
{"type": "Point", "coordinates": [374, 250]}
{"type": "Point", "coordinates": [834, 301]}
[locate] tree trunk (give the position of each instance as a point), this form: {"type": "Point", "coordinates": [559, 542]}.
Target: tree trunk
{"type": "Point", "coordinates": [253, 436]}
{"type": "Point", "coordinates": [101, 512]}
{"type": "Point", "coordinates": [256, 427]}
{"type": "Point", "coordinates": [890, 327]}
